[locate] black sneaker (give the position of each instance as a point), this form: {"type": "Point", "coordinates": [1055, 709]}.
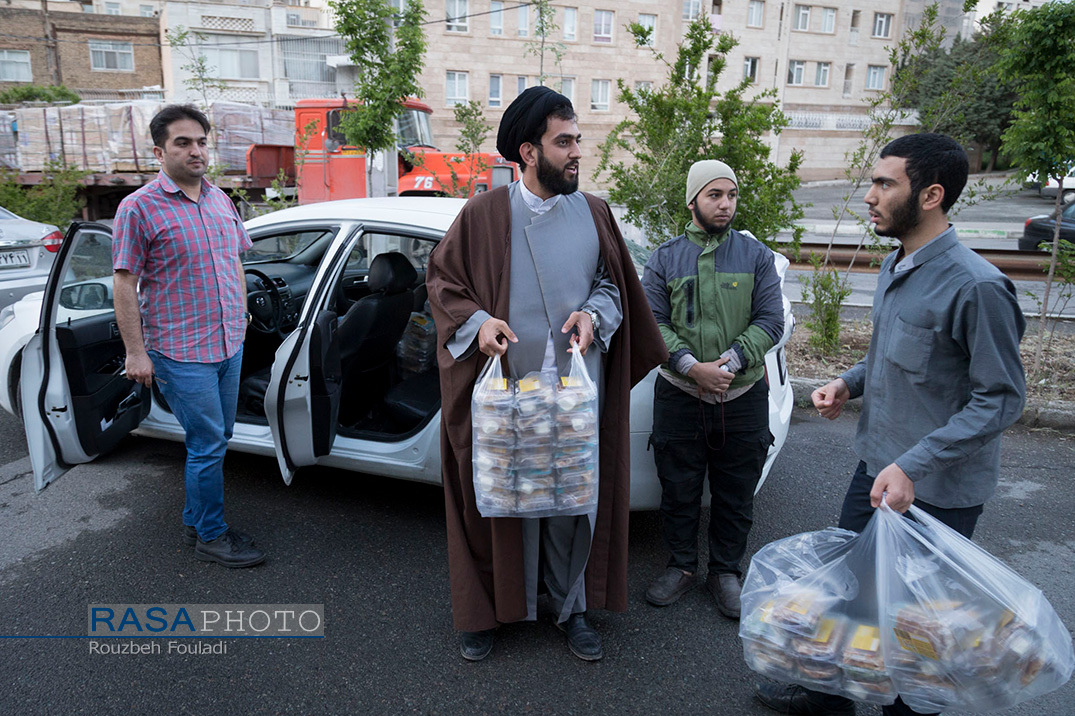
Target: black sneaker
{"type": "Point", "coordinates": [228, 550]}
{"type": "Point", "coordinates": [190, 536]}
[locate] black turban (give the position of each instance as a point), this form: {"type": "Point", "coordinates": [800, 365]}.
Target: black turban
{"type": "Point", "coordinates": [523, 117]}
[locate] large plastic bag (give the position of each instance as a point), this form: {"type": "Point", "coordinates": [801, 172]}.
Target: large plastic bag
{"type": "Point", "coordinates": [492, 409]}
{"type": "Point", "coordinates": [535, 442]}
{"type": "Point", "coordinates": [810, 615]}
{"type": "Point", "coordinates": [961, 630]}
{"type": "Point", "coordinates": [908, 607]}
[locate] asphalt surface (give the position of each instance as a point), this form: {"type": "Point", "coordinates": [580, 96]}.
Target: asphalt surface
{"type": "Point", "coordinates": [373, 552]}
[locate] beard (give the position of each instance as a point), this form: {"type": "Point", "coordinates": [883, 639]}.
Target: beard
{"type": "Point", "coordinates": [903, 220]}
{"type": "Point", "coordinates": [708, 226]}
{"type": "Point", "coordinates": [553, 179]}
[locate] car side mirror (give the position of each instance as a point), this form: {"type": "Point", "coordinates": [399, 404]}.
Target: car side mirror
{"type": "Point", "coordinates": [85, 297]}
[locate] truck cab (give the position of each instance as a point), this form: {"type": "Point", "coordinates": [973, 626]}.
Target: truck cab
{"type": "Point", "coordinates": [329, 168]}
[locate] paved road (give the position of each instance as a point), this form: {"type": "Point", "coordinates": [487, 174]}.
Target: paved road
{"type": "Point", "coordinates": [372, 551]}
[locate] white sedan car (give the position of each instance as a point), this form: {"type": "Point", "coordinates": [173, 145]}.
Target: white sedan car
{"type": "Point", "coordinates": [338, 368]}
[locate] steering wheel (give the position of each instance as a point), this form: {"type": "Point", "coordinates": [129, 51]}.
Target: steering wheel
{"type": "Point", "coordinates": [266, 306]}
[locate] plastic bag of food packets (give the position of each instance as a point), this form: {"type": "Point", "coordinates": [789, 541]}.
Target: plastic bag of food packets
{"type": "Point", "coordinates": [810, 615]}
{"type": "Point", "coordinates": [492, 410]}
{"type": "Point", "coordinates": [908, 606]}
{"type": "Point", "coordinates": [535, 442]}
{"type": "Point", "coordinates": [960, 629]}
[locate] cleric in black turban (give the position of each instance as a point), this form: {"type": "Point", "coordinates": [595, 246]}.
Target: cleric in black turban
{"type": "Point", "coordinates": [523, 118]}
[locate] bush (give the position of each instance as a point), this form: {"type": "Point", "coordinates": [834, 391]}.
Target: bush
{"type": "Point", "coordinates": [56, 200]}
{"type": "Point", "coordinates": [824, 291]}
{"type": "Point", "coordinates": [39, 93]}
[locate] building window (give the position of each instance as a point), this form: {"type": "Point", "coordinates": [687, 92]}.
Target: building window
{"type": "Point", "coordinates": [524, 21]}
{"type": "Point", "coordinates": [602, 26]}
{"type": "Point", "coordinates": [828, 20]}
{"type": "Point", "coordinates": [882, 24]}
{"type": "Point", "coordinates": [802, 17]}
{"type": "Point", "coordinates": [308, 74]}
{"type": "Point", "coordinates": [750, 68]}
{"type": "Point", "coordinates": [520, 85]}
{"type": "Point", "coordinates": [692, 9]}
{"type": "Point", "coordinates": [755, 13]}
{"type": "Point", "coordinates": [455, 15]}
{"type": "Point", "coordinates": [796, 70]}
{"type": "Point", "coordinates": [496, 18]}
{"type": "Point", "coordinates": [111, 8]}
{"type": "Point", "coordinates": [455, 89]}
{"type": "Point", "coordinates": [231, 63]}
{"type": "Point", "coordinates": [599, 91]}
{"type": "Point", "coordinates": [649, 21]}
{"type": "Point", "coordinates": [643, 86]}
{"type": "Point", "coordinates": [495, 82]}
{"type": "Point", "coordinates": [875, 77]}
{"type": "Point", "coordinates": [571, 22]}
{"type": "Point", "coordinates": [111, 56]}
{"type": "Point", "coordinates": [88, 9]}
{"type": "Point", "coordinates": [567, 88]}
{"type": "Point", "coordinates": [821, 78]}
{"type": "Point", "coordinates": [15, 66]}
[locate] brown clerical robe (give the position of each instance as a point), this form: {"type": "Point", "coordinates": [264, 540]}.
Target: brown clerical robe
{"type": "Point", "coordinates": [468, 271]}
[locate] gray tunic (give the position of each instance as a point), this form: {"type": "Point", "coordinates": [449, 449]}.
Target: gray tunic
{"type": "Point", "coordinates": [942, 379]}
{"type": "Point", "coordinates": [556, 269]}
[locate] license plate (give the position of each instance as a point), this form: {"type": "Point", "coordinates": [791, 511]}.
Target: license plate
{"type": "Point", "coordinates": [14, 259]}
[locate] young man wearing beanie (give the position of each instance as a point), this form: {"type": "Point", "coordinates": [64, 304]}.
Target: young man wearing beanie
{"type": "Point", "coordinates": [716, 296]}
{"type": "Point", "coordinates": [523, 269]}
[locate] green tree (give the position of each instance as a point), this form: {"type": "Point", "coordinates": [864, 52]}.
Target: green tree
{"type": "Point", "coordinates": [57, 199]}
{"type": "Point", "coordinates": [1038, 57]}
{"type": "Point", "coordinates": [961, 94]}
{"type": "Point", "coordinates": [544, 27]}
{"type": "Point", "coordinates": [685, 120]}
{"type": "Point", "coordinates": [203, 79]}
{"type": "Point", "coordinates": [387, 52]}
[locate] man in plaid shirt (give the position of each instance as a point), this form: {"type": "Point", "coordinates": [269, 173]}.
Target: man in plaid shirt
{"type": "Point", "coordinates": [180, 297]}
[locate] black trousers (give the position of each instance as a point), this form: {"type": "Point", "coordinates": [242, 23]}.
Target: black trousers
{"type": "Point", "coordinates": [856, 512]}
{"type": "Point", "coordinates": [729, 441]}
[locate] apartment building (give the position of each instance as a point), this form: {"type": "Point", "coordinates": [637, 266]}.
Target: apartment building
{"type": "Point", "coordinates": [269, 52]}
{"type": "Point", "coordinates": [98, 57]}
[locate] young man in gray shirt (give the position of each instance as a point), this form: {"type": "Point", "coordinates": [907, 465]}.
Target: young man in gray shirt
{"type": "Point", "coordinates": [942, 378]}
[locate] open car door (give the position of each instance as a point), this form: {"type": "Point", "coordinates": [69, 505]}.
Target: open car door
{"type": "Point", "coordinates": [302, 403]}
{"type": "Point", "coordinates": [77, 401]}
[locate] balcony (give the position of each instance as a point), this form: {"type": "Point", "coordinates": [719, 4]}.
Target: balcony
{"type": "Point", "coordinates": [305, 17]}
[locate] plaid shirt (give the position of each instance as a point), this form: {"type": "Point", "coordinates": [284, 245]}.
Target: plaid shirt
{"type": "Point", "coordinates": [186, 257]}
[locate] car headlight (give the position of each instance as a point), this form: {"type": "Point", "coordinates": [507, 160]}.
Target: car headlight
{"type": "Point", "coordinates": [7, 314]}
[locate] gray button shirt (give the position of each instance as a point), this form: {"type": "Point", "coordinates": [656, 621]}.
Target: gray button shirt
{"type": "Point", "coordinates": [943, 378]}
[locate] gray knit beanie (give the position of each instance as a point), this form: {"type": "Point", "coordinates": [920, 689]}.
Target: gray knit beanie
{"type": "Point", "coordinates": [705, 171]}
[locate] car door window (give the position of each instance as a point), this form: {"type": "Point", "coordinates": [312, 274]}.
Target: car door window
{"type": "Point", "coordinates": [371, 245]}
{"type": "Point", "coordinates": [278, 247]}
{"type": "Point", "coordinates": [86, 289]}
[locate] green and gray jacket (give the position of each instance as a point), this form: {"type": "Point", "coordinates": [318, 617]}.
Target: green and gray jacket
{"type": "Point", "coordinates": [716, 296]}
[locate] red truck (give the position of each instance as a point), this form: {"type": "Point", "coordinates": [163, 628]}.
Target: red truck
{"type": "Point", "coordinates": [329, 168]}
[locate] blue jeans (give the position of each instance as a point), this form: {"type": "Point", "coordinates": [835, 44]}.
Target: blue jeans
{"type": "Point", "coordinates": [203, 398]}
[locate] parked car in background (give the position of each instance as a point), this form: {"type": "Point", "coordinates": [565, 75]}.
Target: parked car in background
{"type": "Point", "coordinates": [1038, 229]}
{"type": "Point", "coordinates": [335, 371]}
{"type": "Point", "coordinates": [27, 250]}
{"type": "Point", "coordinates": [1050, 187]}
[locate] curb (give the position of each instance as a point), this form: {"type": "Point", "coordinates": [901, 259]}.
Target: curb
{"type": "Point", "coordinates": [1053, 414]}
